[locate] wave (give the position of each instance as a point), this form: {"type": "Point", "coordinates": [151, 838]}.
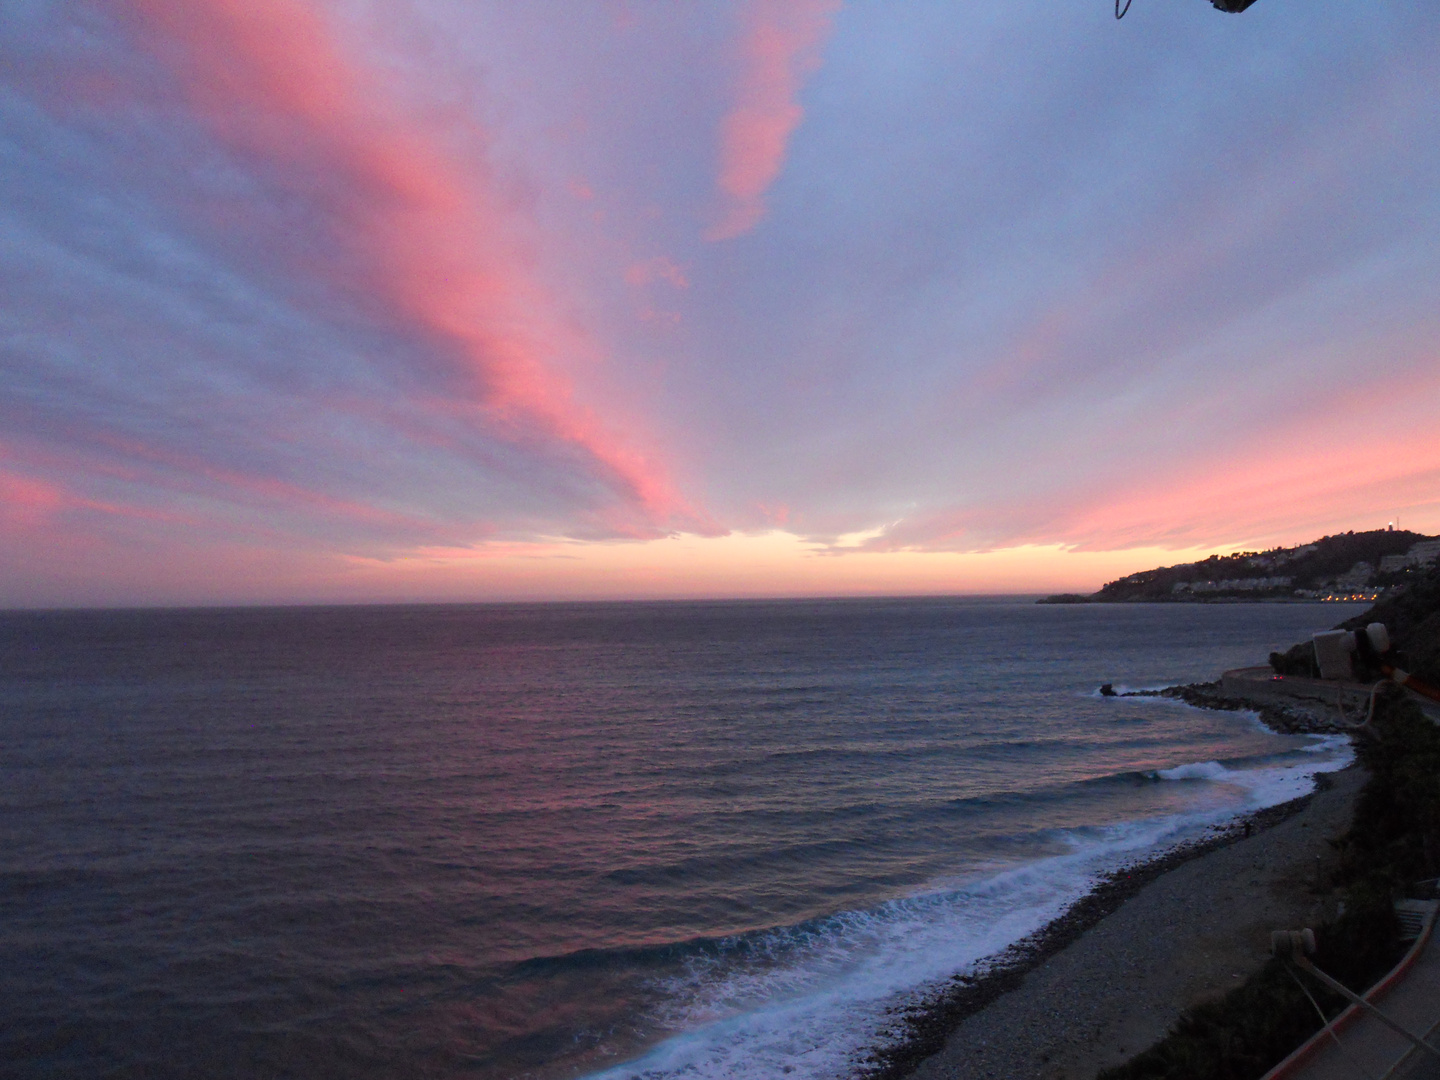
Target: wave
{"type": "Point", "coordinates": [808, 1001]}
{"type": "Point", "coordinates": [1275, 783]}
{"type": "Point", "coordinates": [1200, 770]}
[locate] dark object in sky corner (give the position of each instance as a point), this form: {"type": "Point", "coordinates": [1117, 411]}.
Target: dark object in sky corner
{"type": "Point", "coordinates": [1234, 7]}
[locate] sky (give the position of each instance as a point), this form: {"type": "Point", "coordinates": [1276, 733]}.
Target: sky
{"type": "Point", "coordinates": [458, 300]}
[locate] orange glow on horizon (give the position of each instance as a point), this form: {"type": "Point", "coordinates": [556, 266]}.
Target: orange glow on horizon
{"type": "Point", "coordinates": [741, 565]}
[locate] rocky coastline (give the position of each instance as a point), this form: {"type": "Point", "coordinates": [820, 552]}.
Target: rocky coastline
{"type": "Point", "coordinates": [1297, 718]}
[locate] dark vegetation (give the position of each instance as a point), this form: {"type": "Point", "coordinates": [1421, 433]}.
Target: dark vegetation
{"type": "Point", "coordinates": [1411, 614]}
{"type": "Point", "coordinates": [1393, 844]}
{"type": "Point", "coordinates": [1299, 659]}
{"type": "Point", "coordinates": [1312, 566]}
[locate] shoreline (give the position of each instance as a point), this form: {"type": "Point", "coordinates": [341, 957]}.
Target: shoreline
{"type": "Point", "coordinates": [928, 1031]}
{"type": "Point", "coordinates": [1288, 718]}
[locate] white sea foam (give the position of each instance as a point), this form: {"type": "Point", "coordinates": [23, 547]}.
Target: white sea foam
{"type": "Point", "coordinates": [1330, 744]}
{"type": "Point", "coordinates": [807, 1002]}
{"type": "Point", "coordinates": [1200, 770]}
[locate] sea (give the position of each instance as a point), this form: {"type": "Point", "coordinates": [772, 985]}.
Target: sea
{"type": "Point", "coordinates": [562, 841]}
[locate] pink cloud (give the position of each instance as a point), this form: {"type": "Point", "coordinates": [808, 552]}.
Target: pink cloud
{"type": "Point", "coordinates": [778, 515]}
{"type": "Point", "coordinates": [780, 47]}
{"type": "Point", "coordinates": [429, 241]}
{"type": "Point", "coordinates": [166, 469]}
{"type": "Point", "coordinates": [1274, 493]}
{"type": "Point", "coordinates": [28, 502]}
{"type": "Point", "coordinates": [1287, 482]}
{"type": "Point", "coordinates": [657, 269]}
{"type": "Point", "coordinates": [32, 505]}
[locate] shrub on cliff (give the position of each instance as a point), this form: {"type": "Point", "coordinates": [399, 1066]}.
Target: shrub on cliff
{"type": "Point", "coordinates": [1396, 835]}
{"type": "Point", "coordinates": [1296, 660]}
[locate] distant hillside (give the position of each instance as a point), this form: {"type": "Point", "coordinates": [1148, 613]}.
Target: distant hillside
{"type": "Point", "coordinates": [1364, 565]}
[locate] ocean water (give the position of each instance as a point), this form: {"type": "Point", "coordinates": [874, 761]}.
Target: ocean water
{"type": "Point", "coordinates": [557, 841]}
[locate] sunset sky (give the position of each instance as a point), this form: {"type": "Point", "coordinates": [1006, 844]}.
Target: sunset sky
{"type": "Point", "coordinates": [353, 300]}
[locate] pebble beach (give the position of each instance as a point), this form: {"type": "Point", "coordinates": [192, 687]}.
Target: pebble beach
{"type": "Point", "coordinates": [1185, 930]}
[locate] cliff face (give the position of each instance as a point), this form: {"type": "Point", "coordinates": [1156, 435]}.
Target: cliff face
{"type": "Point", "coordinates": [1350, 563]}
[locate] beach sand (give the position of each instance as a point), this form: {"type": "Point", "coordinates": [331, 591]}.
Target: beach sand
{"type": "Point", "coordinates": [1189, 934]}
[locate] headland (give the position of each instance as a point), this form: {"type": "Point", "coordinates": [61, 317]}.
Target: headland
{"type": "Point", "coordinates": [1345, 567]}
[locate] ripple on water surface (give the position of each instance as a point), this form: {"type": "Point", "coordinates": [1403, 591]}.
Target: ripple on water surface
{"type": "Point", "coordinates": [712, 839]}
